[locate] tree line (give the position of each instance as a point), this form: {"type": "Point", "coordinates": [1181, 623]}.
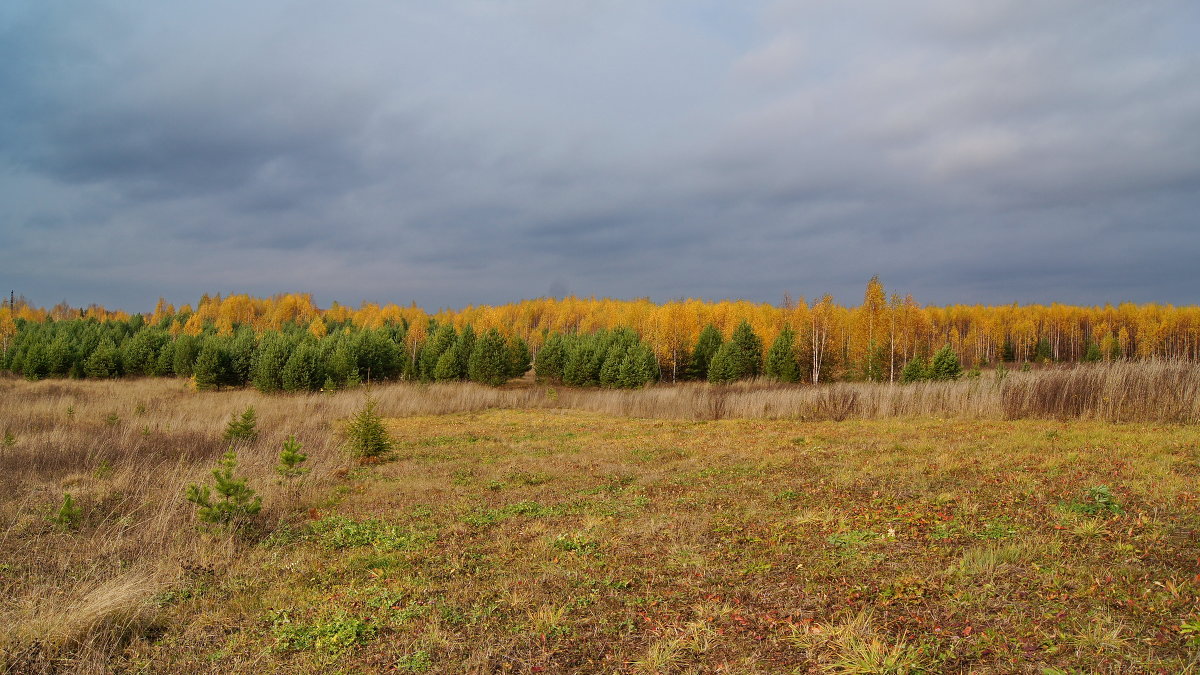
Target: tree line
{"type": "Point", "coordinates": [873, 341]}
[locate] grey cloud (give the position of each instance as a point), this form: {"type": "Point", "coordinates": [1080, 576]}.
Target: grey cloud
{"type": "Point", "coordinates": [468, 152]}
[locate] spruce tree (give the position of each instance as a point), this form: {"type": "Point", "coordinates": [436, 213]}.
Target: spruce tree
{"type": "Point", "coordinates": [489, 360]}
{"type": "Point", "coordinates": [1093, 354]}
{"type": "Point", "coordinates": [723, 369]}
{"type": "Point", "coordinates": [550, 358]}
{"type": "Point", "coordinates": [305, 368]}
{"type": "Point", "coordinates": [916, 370]}
{"type": "Point", "coordinates": [517, 356]}
{"type": "Point", "coordinates": [706, 346]}
{"type": "Point", "coordinates": [237, 501]}
{"type": "Point", "coordinates": [945, 365]}
{"type": "Point", "coordinates": [211, 369]}
{"type": "Point", "coordinates": [366, 436]}
{"type": "Point", "coordinates": [749, 350]}
{"type": "Point", "coordinates": [781, 358]}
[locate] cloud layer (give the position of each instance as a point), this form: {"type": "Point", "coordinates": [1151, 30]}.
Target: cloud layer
{"type": "Point", "coordinates": [468, 152]}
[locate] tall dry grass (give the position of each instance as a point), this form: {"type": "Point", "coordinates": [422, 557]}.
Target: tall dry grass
{"type": "Point", "coordinates": [1160, 391]}
{"type": "Point", "coordinates": [126, 450]}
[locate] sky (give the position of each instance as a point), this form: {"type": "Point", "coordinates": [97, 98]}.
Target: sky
{"type": "Point", "coordinates": [468, 151]}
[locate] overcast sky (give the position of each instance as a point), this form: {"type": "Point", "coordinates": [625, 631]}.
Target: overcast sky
{"type": "Point", "coordinates": [484, 151]}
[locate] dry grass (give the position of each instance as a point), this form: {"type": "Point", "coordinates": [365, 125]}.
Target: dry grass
{"type": "Point", "coordinates": [1161, 391]}
{"type": "Point", "coordinates": [646, 539]}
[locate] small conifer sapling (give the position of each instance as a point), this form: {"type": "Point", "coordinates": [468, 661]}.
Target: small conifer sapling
{"type": "Point", "coordinates": [243, 427]}
{"type": "Point", "coordinates": [235, 500]}
{"type": "Point", "coordinates": [366, 437]}
{"type": "Point", "coordinates": [291, 459]}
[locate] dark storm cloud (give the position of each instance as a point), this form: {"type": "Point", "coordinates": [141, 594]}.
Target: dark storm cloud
{"type": "Point", "coordinates": [467, 152]}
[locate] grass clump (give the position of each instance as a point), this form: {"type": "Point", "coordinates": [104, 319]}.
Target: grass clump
{"type": "Point", "coordinates": [69, 514]}
{"type": "Point", "coordinates": [333, 635]}
{"type": "Point", "coordinates": [1099, 500]}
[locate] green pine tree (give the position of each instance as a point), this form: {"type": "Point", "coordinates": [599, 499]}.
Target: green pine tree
{"type": "Point", "coordinates": [103, 361]}
{"type": "Point", "coordinates": [945, 365]}
{"type": "Point", "coordinates": [242, 427]}
{"type": "Point", "coordinates": [211, 369]}
{"type": "Point", "coordinates": [707, 344]}
{"type": "Point", "coordinates": [517, 356]}
{"type": "Point", "coordinates": [749, 350]}
{"type": "Point", "coordinates": [366, 436]}
{"type": "Point", "coordinates": [305, 368]}
{"type": "Point", "coordinates": [550, 359]}
{"type": "Point", "coordinates": [610, 371]}
{"type": "Point", "coordinates": [722, 368]}
{"type": "Point", "coordinates": [236, 501]}
{"type": "Point", "coordinates": [782, 364]}
{"type": "Point", "coordinates": [291, 459]}
{"type": "Point", "coordinates": [1093, 354]}
{"type": "Point", "coordinates": [489, 360]}
{"type": "Point", "coordinates": [916, 370]}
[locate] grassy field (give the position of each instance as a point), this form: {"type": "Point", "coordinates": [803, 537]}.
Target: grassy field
{"type": "Point", "coordinates": [547, 539]}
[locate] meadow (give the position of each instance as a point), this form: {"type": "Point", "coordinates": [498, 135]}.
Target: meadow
{"type": "Point", "coordinates": [1043, 523]}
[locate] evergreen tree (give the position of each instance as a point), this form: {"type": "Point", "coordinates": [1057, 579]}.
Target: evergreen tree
{"type": "Point", "coordinates": [164, 365]}
{"type": "Point", "coordinates": [550, 359]}
{"type": "Point", "coordinates": [489, 360]}
{"type": "Point", "coordinates": [782, 364]}
{"type": "Point", "coordinates": [305, 369]}
{"type": "Point", "coordinates": [431, 352]}
{"type": "Point", "coordinates": [269, 361]}
{"type": "Point", "coordinates": [211, 369]}
{"type": "Point", "coordinates": [447, 367]}
{"type": "Point", "coordinates": [639, 367]}
{"type": "Point", "coordinates": [610, 370]}
{"type": "Point", "coordinates": [237, 501]}
{"type": "Point", "coordinates": [748, 351]}
{"type": "Point", "coordinates": [1007, 351]}
{"type": "Point", "coordinates": [184, 355]}
{"type": "Point", "coordinates": [916, 370]}
{"type": "Point", "coordinates": [517, 357]}
{"type": "Point", "coordinates": [242, 427]}
{"type": "Point", "coordinates": [585, 356]}
{"type": "Point", "coordinates": [945, 365]}
{"type": "Point", "coordinates": [291, 459]}
{"type": "Point", "coordinates": [241, 349]}
{"type": "Point", "coordinates": [1093, 354]}
{"type": "Point", "coordinates": [366, 436]}
{"type": "Point", "coordinates": [103, 361]}
{"type": "Point", "coordinates": [463, 347]}
{"type": "Point", "coordinates": [723, 369]}
{"type": "Point", "coordinates": [1042, 353]}
{"type": "Point", "coordinates": [34, 364]}
{"type": "Point", "coordinates": [706, 346]}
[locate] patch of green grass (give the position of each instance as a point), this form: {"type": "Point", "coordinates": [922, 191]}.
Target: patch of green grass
{"type": "Point", "coordinates": [1098, 500]}
{"type": "Point", "coordinates": [332, 634]}
{"type": "Point", "coordinates": [340, 532]}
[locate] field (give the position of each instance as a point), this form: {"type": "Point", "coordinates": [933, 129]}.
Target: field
{"type": "Point", "coordinates": [1040, 526]}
